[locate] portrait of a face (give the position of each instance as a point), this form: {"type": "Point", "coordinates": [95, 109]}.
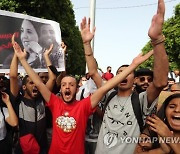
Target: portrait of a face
{"type": "Point", "coordinates": [28, 34]}
{"type": "Point", "coordinates": [47, 35]}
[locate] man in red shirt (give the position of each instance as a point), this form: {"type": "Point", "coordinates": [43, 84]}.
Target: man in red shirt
{"type": "Point", "coordinates": [108, 75]}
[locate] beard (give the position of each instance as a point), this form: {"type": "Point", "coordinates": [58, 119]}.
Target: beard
{"type": "Point", "coordinates": [139, 89]}
{"type": "Point", "coordinates": [30, 94]}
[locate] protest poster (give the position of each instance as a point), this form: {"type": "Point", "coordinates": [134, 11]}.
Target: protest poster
{"type": "Point", "coordinates": [34, 35]}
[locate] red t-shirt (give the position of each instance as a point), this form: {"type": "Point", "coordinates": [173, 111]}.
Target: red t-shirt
{"type": "Point", "coordinates": [107, 76]}
{"type": "Point", "coordinates": [68, 136]}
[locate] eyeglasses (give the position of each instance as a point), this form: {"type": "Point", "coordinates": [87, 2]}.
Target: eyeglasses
{"type": "Point", "coordinates": [142, 79]}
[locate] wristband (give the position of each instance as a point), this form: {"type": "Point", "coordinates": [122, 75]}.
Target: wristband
{"type": "Point", "coordinates": [158, 41]}
{"type": "Point", "coordinates": [89, 54]}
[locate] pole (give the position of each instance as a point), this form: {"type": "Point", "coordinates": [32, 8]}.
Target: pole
{"type": "Point", "coordinates": [92, 18]}
{"type": "Point", "coordinates": [92, 24]}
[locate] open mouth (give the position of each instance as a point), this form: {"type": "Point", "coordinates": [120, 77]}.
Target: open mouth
{"type": "Point", "coordinates": [67, 93]}
{"type": "Point", "coordinates": [176, 117]}
{"type": "Point", "coordinates": [35, 91]}
{"type": "Point", "coordinates": [176, 120]}
{"type": "Point", "coordinates": [124, 81]}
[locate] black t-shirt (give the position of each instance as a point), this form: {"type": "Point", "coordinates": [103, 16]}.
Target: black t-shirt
{"type": "Point", "coordinates": [25, 109]}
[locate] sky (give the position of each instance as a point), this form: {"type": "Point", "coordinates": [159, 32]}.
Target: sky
{"type": "Point", "coordinates": [121, 27]}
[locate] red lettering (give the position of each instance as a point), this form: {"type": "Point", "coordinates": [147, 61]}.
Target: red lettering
{"type": "Point", "coordinates": [9, 36]}
{"type": "Point", "coordinates": [4, 46]}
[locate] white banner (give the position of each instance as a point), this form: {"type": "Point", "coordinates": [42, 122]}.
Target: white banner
{"type": "Point", "coordinates": [33, 34]}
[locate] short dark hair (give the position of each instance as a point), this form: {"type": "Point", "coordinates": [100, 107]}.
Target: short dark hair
{"type": "Point", "coordinates": [25, 80]}
{"type": "Point", "coordinates": [143, 71]}
{"type": "Point", "coordinates": [124, 65]}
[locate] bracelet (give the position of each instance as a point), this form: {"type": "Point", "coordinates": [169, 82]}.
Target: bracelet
{"type": "Point", "coordinates": [89, 54]}
{"type": "Point", "coordinates": [158, 41]}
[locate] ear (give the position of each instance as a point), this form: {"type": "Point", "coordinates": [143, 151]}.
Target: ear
{"type": "Point", "coordinates": [24, 87]}
{"type": "Point", "coordinates": [135, 80]}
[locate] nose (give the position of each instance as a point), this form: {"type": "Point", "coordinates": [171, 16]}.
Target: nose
{"type": "Point", "coordinates": [67, 86]}
{"type": "Point", "coordinates": [177, 109]}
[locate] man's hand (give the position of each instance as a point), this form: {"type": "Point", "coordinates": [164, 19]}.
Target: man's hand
{"type": "Point", "coordinates": [86, 34]}
{"type": "Point", "coordinates": [17, 49]}
{"type": "Point", "coordinates": [64, 47]}
{"type": "Point", "coordinates": [5, 98]}
{"type": "Point", "coordinates": [155, 30]}
{"type": "Point", "coordinates": [141, 58]}
{"type": "Point", "coordinates": [48, 51]}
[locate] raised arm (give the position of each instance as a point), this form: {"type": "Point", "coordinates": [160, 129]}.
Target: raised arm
{"type": "Point", "coordinates": [45, 92]}
{"type": "Point", "coordinates": [161, 64]}
{"type": "Point", "coordinates": [14, 87]}
{"type": "Point", "coordinates": [52, 77]}
{"type": "Point", "coordinates": [87, 36]}
{"type": "Point", "coordinates": [12, 119]}
{"type": "Point", "coordinates": [97, 96]}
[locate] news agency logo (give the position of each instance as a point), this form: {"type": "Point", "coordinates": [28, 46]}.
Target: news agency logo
{"type": "Point", "coordinates": [149, 140]}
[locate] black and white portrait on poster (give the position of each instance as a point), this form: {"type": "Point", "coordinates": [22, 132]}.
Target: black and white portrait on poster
{"type": "Point", "coordinates": [34, 35]}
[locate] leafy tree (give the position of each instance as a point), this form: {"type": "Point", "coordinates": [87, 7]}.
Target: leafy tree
{"type": "Point", "coordinates": [171, 30]}
{"type": "Point", "coordinates": [62, 12]}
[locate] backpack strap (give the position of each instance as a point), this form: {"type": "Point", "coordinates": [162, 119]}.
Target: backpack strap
{"type": "Point", "coordinates": [112, 94]}
{"type": "Point", "coordinates": [135, 104]}
{"type": "Point", "coordinates": [137, 109]}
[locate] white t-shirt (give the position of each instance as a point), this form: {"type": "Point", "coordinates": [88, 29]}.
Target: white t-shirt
{"type": "Point", "coordinates": [2, 123]}
{"type": "Point", "coordinates": [120, 124]}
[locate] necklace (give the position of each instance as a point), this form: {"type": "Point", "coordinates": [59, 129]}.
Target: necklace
{"type": "Point", "coordinates": [122, 101]}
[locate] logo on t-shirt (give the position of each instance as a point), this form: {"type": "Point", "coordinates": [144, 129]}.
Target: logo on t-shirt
{"type": "Point", "coordinates": [66, 123]}
{"type": "Point", "coordinates": [110, 139]}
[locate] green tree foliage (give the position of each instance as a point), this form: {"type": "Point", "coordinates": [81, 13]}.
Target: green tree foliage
{"type": "Point", "coordinates": [171, 30]}
{"type": "Point", "coordinates": [62, 12]}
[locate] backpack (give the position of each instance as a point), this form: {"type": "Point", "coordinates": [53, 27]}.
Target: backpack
{"type": "Point", "coordinates": [135, 104]}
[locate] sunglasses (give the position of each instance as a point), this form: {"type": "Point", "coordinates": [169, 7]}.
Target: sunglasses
{"type": "Point", "coordinates": [142, 79]}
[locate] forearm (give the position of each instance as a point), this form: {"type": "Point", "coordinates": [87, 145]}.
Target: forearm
{"type": "Point", "coordinates": [52, 76]}
{"type": "Point", "coordinates": [14, 76]}
{"type": "Point", "coordinates": [14, 67]}
{"type": "Point", "coordinates": [34, 76]}
{"type": "Point", "coordinates": [161, 66]}
{"type": "Point", "coordinates": [92, 65]}
{"type": "Point", "coordinates": [12, 120]}
{"type": "Point", "coordinates": [52, 79]}
{"type": "Point", "coordinates": [90, 60]}
{"type": "Point", "coordinates": [97, 96]}
{"type": "Point", "coordinates": [47, 60]}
